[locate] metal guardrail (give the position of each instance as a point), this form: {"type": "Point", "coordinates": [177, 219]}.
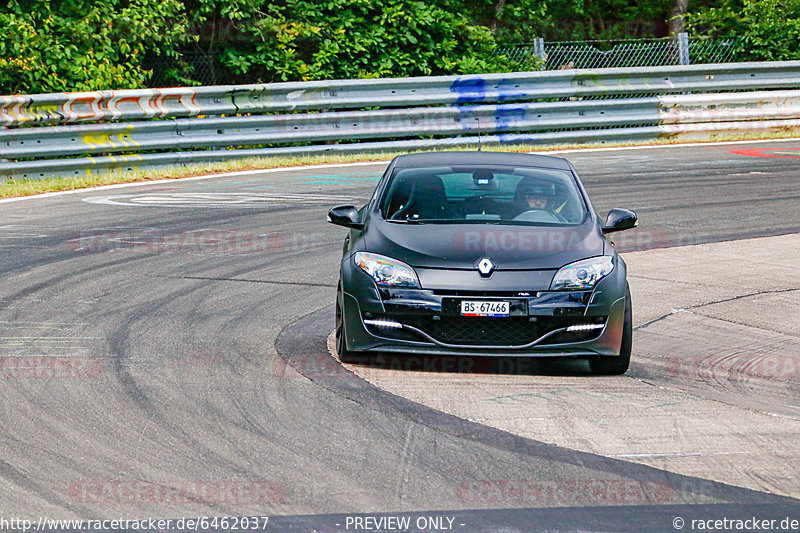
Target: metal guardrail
{"type": "Point", "coordinates": [448, 120]}
{"type": "Point", "coordinates": [530, 107]}
{"type": "Point", "coordinates": [67, 108]}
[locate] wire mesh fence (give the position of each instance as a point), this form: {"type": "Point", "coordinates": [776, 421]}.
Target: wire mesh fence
{"type": "Point", "coordinates": [713, 51]}
{"type": "Point", "coordinates": [205, 68]}
{"type": "Point", "coordinates": [192, 69]}
{"type": "Point", "coordinates": [624, 54]}
{"type": "Point", "coordinates": [620, 53]}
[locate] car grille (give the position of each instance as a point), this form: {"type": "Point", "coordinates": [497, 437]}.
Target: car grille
{"type": "Point", "coordinates": [490, 331]}
{"type": "Point", "coordinates": [484, 330]}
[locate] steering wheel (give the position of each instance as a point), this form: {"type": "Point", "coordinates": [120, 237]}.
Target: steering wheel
{"type": "Point", "coordinates": [539, 215]}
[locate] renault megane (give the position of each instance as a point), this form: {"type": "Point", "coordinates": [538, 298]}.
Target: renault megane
{"type": "Point", "coordinates": [483, 254]}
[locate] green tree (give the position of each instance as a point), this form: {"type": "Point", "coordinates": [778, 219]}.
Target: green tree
{"type": "Point", "coordinates": [77, 45]}
{"type": "Point", "coordinates": [761, 30]}
{"type": "Point", "coordinates": [69, 45]}
{"type": "Point", "coordinates": [514, 21]}
{"type": "Point", "coordinates": [509, 20]}
{"type": "Point", "coordinates": [310, 40]}
{"type": "Point", "coordinates": [605, 19]}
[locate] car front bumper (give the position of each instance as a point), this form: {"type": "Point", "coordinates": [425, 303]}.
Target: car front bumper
{"type": "Point", "coordinates": [428, 322]}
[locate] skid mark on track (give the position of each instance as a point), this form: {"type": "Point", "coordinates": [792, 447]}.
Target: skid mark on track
{"type": "Point", "coordinates": [218, 200]}
{"type": "Point", "coordinates": [269, 282]}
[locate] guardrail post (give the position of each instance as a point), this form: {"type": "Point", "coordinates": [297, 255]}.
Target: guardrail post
{"type": "Point", "coordinates": [683, 48]}
{"type": "Point", "coordinates": [538, 48]}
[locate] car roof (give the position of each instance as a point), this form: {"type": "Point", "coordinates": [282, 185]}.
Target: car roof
{"type": "Point", "coordinates": [426, 159]}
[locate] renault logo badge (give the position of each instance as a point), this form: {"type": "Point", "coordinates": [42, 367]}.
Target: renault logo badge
{"type": "Point", "coordinates": [485, 266]}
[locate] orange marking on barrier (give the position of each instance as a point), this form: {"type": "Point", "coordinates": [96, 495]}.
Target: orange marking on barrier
{"type": "Point", "coordinates": [90, 98]}
{"type": "Point", "coordinates": [134, 99]}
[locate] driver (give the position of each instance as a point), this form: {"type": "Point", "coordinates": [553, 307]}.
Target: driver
{"type": "Point", "coordinates": [536, 195]}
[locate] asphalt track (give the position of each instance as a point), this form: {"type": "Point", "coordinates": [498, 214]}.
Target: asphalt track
{"type": "Point", "coordinates": [164, 355]}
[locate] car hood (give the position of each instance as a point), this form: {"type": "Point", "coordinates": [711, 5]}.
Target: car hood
{"type": "Point", "coordinates": [462, 246]}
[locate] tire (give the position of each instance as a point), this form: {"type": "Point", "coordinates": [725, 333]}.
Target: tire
{"type": "Point", "coordinates": [616, 366]}
{"type": "Point", "coordinates": [345, 355]}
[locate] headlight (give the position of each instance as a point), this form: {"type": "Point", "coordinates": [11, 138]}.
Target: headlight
{"type": "Point", "coordinates": [387, 271]}
{"type": "Point", "coordinates": [582, 274]}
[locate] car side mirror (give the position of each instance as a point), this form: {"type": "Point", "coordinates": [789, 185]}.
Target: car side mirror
{"type": "Point", "coordinates": [345, 215]}
{"type": "Point", "coordinates": [620, 219]}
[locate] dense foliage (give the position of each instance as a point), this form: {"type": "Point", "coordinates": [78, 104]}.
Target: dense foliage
{"type": "Point", "coordinates": [516, 21]}
{"type": "Point", "coordinates": [69, 45]}
{"type": "Point", "coordinates": [308, 39]}
{"type": "Point", "coordinates": [50, 46]}
{"type": "Point", "coordinates": [761, 30]}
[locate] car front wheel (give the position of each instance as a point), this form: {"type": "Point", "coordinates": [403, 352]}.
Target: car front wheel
{"type": "Point", "coordinates": [345, 355]}
{"type": "Point", "coordinates": [615, 366]}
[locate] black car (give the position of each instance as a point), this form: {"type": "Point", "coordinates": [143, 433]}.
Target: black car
{"type": "Point", "coordinates": [483, 254]}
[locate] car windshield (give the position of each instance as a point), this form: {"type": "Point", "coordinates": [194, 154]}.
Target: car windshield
{"type": "Point", "coordinates": [483, 194]}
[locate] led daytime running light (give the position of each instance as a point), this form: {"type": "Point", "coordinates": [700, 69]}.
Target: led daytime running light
{"type": "Point", "coordinates": [584, 327]}
{"type": "Point", "coordinates": [383, 323]}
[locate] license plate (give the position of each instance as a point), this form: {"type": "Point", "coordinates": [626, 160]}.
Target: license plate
{"type": "Point", "coordinates": [473, 308]}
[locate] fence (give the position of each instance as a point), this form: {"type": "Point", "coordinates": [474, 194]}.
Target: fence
{"type": "Point", "coordinates": [680, 50]}
{"type": "Point", "coordinates": [73, 133]}
{"type": "Point", "coordinates": [200, 68]}
{"type": "Point", "coordinates": [206, 68]}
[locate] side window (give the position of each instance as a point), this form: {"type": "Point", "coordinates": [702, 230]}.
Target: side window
{"type": "Point", "coordinates": [396, 198]}
{"type": "Point", "coordinates": [374, 200]}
